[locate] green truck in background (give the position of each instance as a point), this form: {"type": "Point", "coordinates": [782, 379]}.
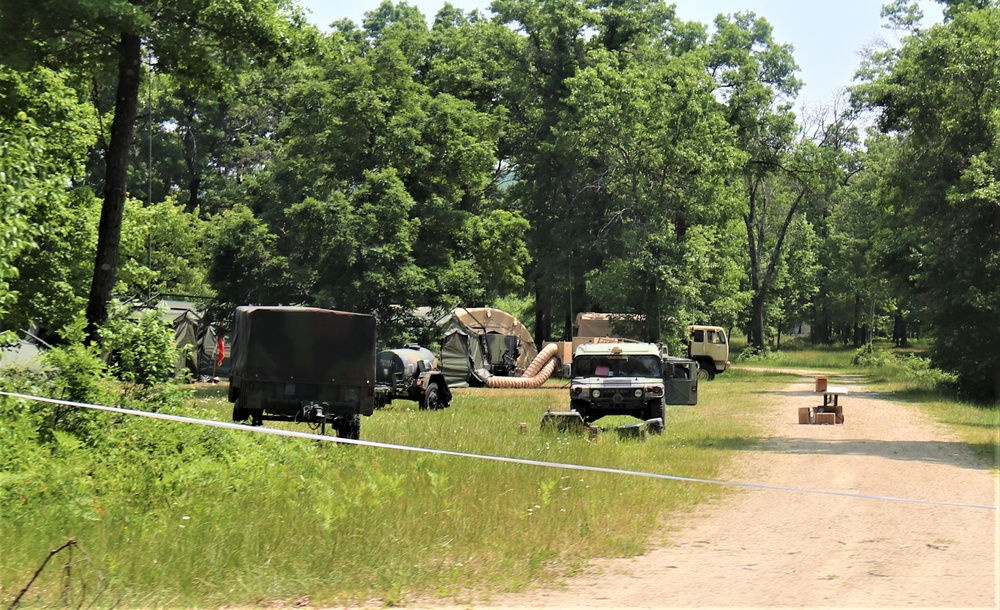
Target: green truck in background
{"type": "Point", "coordinates": [303, 364]}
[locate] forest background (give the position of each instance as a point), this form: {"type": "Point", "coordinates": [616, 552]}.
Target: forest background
{"type": "Point", "coordinates": [547, 157]}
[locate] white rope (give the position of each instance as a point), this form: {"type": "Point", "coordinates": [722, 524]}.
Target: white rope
{"type": "Point", "coordinates": [493, 458]}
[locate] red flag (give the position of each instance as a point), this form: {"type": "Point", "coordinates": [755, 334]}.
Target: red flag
{"type": "Point", "coordinates": [220, 350]}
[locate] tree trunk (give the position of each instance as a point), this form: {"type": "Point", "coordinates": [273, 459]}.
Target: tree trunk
{"type": "Point", "coordinates": [899, 331]}
{"type": "Point", "coordinates": [756, 335]}
{"type": "Point", "coordinates": [115, 183]}
{"type": "Point", "coordinates": [543, 316]}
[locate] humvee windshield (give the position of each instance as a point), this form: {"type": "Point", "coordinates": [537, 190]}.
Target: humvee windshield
{"type": "Point", "coordinates": [620, 366]}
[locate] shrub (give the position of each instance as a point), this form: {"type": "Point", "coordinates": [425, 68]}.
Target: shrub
{"type": "Point", "coordinates": [913, 370]}
{"type": "Point", "coordinates": [140, 346]}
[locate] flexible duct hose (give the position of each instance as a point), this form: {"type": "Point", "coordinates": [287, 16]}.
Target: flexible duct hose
{"type": "Point", "coordinates": [541, 359]}
{"type": "Point", "coordinates": [534, 376]}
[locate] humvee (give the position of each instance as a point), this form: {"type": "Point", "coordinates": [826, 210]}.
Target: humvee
{"type": "Point", "coordinates": [617, 379]}
{"type": "Point", "coordinates": [303, 364]}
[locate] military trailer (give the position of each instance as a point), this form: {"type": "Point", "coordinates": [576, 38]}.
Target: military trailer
{"type": "Point", "coordinates": [303, 364]}
{"type": "Point", "coordinates": [617, 379]}
{"type": "Point", "coordinates": [412, 373]}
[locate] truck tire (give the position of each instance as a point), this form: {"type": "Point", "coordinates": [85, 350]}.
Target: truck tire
{"type": "Point", "coordinates": [348, 427]}
{"type": "Point", "coordinates": [432, 397]}
{"type": "Point", "coordinates": [580, 406]}
{"type": "Point", "coordinates": [657, 413]}
{"type": "Point", "coordinates": [706, 371]}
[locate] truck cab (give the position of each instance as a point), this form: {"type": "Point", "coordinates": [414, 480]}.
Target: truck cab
{"type": "Point", "coordinates": [709, 347]}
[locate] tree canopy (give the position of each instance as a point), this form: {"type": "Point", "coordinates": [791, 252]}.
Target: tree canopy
{"type": "Point", "coordinates": [569, 155]}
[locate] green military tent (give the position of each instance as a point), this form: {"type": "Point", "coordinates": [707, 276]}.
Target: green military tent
{"type": "Point", "coordinates": [481, 342]}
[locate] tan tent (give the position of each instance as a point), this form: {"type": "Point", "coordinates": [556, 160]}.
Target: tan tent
{"type": "Point", "coordinates": [480, 342]}
{"type": "Point", "coordinates": [591, 324]}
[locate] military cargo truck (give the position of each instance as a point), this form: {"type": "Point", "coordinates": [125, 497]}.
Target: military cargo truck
{"type": "Point", "coordinates": [709, 346]}
{"type": "Point", "coordinates": [412, 373]}
{"type": "Point", "coordinates": [303, 364]}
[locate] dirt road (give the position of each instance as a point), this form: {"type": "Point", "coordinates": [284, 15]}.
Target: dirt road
{"type": "Point", "coordinates": [765, 548]}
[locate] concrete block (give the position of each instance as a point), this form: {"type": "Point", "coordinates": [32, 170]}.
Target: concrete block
{"type": "Point", "coordinates": [563, 421]}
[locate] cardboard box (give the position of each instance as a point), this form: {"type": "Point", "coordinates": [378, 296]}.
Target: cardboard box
{"type": "Point", "coordinates": [564, 351]}
{"type": "Point", "coordinates": [825, 418]}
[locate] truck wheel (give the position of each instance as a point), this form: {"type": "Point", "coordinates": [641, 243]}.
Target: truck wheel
{"type": "Point", "coordinates": [432, 398]}
{"type": "Point", "coordinates": [659, 412]}
{"type": "Point", "coordinates": [706, 373]}
{"type": "Point", "coordinates": [349, 427]}
{"type": "Point", "coordinates": [239, 414]}
{"type": "Point", "coordinates": [580, 406]}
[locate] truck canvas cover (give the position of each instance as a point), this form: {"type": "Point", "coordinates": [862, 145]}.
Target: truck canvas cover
{"type": "Point", "coordinates": [304, 345]}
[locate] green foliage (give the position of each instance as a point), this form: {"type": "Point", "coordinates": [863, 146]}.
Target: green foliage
{"type": "Point", "coordinates": [162, 250]}
{"type": "Point", "coordinates": [48, 226]}
{"type": "Point", "coordinates": [14, 160]}
{"type": "Point", "coordinates": [914, 371]}
{"type": "Point", "coordinates": [139, 345]}
{"type": "Point", "coordinates": [244, 269]}
{"type": "Point", "coordinates": [938, 96]}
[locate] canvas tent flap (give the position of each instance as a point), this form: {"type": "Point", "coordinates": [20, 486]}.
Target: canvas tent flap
{"type": "Point", "coordinates": [456, 359]}
{"type": "Point", "coordinates": [186, 340]}
{"type": "Point", "coordinates": [198, 340]}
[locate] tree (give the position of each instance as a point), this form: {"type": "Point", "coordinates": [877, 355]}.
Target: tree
{"type": "Point", "coordinates": [755, 75]}
{"type": "Point", "coordinates": [392, 172]}
{"type": "Point", "coordinates": [938, 97]}
{"type": "Point", "coordinates": [50, 225]}
{"type": "Point", "coordinates": [654, 126]}
{"type": "Point", "coordinates": [197, 39]}
{"type": "Point", "coordinates": [618, 159]}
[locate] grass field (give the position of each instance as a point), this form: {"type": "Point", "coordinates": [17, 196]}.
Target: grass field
{"type": "Point", "coordinates": [175, 515]}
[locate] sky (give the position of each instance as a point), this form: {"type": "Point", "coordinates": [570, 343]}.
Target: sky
{"type": "Point", "coordinates": [827, 36]}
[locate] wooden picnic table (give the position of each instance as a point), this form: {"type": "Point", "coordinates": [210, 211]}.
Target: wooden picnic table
{"type": "Point", "coordinates": [830, 412]}
{"type": "Point", "coordinates": [831, 395]}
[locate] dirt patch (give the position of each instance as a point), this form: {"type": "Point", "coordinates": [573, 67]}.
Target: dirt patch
{"type": "Point", "coordinates": [773, 548]}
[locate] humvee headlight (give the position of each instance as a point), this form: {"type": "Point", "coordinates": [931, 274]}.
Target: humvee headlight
{"type": "Point", "coordinates": [637, 393]}
{"type": "Point", "coordinates": [596, 393]}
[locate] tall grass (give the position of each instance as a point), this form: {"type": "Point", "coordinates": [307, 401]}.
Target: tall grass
{"type": "Point", "coordinates": [175, 515]}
